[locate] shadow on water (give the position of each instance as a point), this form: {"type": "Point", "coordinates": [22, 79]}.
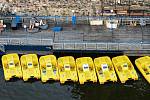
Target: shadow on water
{"type": "Point", "coordinates": [34, 89]}
{"type": "Point", "coordinates": [14, 79]}
{"type": "Point", "coordinates": [31, 80]}
{"type": "Point", "coordinates": [50, 82]}
{"type": "Point", "coordinates": [83, 53]}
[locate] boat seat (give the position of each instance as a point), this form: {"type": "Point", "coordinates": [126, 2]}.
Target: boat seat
{"type": "Point", "coordinates": [99, 68]}
{"type": "Point", "coordinates": [80, 69]}
{"type": "Point", "coordinates": [24, 66]}
{"type": "Point", "coordinates": [67, 67]}
{"type": "Point", "coordinates": [146, 70]}
{"type": "Point", "coordinates": [16, 64]}
{"type": "Point", "coordinates": [100, 71]}
{"type": "Point", "coordinates": [11, 64]}
{"type": "Point", "coordinates": [72, 68]}
{"type": "Point", "coordinates": [119, 68]}
{"type": "Point", "coordinates": [110, 68]}
{"type": "Point", "coordinates": [104, 67]}
{"type": "Point", "coordinates": [62, 69]}
{"type": "Point", "coordinates": [90, 68]}
{"type": "Point", "coordinates": [86, 67]}
{"type": "Point", "coordinates": [35, 65]}
{"type": "Point", "coordinates": [44, 71]}
{"type": "Point", "coordinates": [7, 66]}
{"type": "Point", "coordinates": [43, 67]}
{"type": "Point", "coordinates": [54, 67]}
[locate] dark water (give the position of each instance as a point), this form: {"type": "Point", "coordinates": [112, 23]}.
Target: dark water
{"type": "Point", "coordinates": [35, 90]}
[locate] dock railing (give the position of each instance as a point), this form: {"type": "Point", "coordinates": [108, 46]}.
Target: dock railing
{"type": "Point", "coordinates": [25, 41]}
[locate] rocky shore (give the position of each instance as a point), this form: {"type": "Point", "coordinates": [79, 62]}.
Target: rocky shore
{"type": "Point", "coordinates": [68, 7]}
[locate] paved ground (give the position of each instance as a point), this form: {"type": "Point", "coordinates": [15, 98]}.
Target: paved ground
{"type": "Point", "coordinates": [86, 33]}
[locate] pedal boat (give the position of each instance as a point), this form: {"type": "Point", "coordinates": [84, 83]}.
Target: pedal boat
{"type": "Point", "coordinates": [30, 66]}
{"type": "Point", "coordinates": [86, 70]}
{"type": "Point", "coordinates": [105, 69]}
{"type": "Point", "coordinates": [48, 68]}
{"type": "Point", "coordinates": [124, 68]}
{"type": "Point", "coordinates": [11, 66]}
{"type": "Point", "coordinates": [67, 69]}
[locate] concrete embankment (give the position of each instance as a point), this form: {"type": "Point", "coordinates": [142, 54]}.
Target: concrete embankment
{"type": "Point", "coordinates": [44, 46]}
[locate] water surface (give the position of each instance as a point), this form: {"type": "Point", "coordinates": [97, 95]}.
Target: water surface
{"type": "Point", "coordinates": [35, 90]}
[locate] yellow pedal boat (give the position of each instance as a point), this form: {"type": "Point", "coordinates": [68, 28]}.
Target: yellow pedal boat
{"type": "Point", "coordinates": [143, 64]}
{"type": "Point", "coordinates": [104, 69]}
{"type": "Point", "coordinates": [11, 66]}
{"type": "Point", "coordinates": [30, 66]}
{"type": "Point", "coordinates": [86, 70]}
{"type": "Point", "coordinates": [124, 68]}
{"type": "Point", "coordinates": [67, 69]}
{"type": "Point", "coordinates": [48, 68]}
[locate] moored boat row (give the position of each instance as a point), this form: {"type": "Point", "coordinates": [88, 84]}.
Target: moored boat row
{"type": "Point", "coordinates": [83, 69]}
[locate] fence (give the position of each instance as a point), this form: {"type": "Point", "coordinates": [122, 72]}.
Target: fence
{"type": "Point", "coordinates": [85, 19]}
{"type": "Point", "coordinates": [102, 46]}
{"type": "Point", "coordinates": [25, 41]}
